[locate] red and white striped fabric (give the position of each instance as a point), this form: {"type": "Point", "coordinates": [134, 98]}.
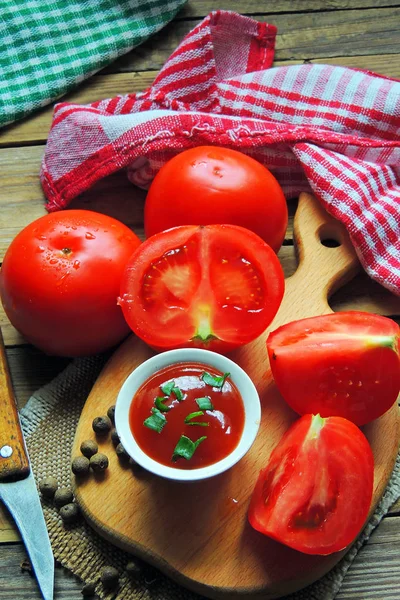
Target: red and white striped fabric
{"type": "Point", "coordinates": [332, 130]}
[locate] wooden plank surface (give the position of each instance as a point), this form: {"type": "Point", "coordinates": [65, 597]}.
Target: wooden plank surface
{"type": "Point", "coordinates": [305, 36]}
{"type": "Point", "coordinates": [356, 33]}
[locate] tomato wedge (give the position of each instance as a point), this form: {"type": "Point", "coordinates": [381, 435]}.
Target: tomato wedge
{"type": "Point", "coordinates": [345, 364]}
{"type": "Point", "coordinates": [216, 286]}
{"type": "Point", "coordinates": [316, 491]}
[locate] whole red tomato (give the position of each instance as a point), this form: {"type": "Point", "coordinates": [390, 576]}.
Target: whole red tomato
{"type": "Point", "coordinates": [345, 364]}
{"type": "Point", "coordinates": [315, 493]}
{"type": "Point", "coordinates": [60, 281]}
{"type": "Point", "coordinates": [207, 184]}
{"type": "Point", "coordinates": [215, 286]}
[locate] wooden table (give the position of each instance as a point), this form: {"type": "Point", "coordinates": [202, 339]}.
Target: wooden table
{"type": "Point", "coordinates": [354, 33]}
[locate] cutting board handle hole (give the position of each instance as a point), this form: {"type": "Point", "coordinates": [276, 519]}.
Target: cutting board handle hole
{"type": "Point", "coordinates": [330, 243]}
{"type": "Point", "coordinates": [329, 237]}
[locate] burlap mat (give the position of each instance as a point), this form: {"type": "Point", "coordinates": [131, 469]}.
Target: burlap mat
{"type": "Point", "coordinates": [49, 421]}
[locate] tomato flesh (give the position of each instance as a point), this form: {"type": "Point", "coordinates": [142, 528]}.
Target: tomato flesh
{"type": "Point", "coordinates": [216, 286]}
{"type": "Point", "coordinates": [315, 493]}
{"type": "Point", "coordinates": [345, 364]}
{"type": "Point", "coordinates": [222, 427]}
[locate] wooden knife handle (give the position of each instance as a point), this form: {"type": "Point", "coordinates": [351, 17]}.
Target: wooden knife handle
{"type": "Point", "coordinates": [14, 461]}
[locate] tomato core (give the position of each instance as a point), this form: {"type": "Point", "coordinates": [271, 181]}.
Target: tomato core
{"type": "Point", "coordinates": [222, 426]}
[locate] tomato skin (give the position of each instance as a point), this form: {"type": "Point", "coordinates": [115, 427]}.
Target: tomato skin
{"type": "Point", "coordinates": [210, 185]}
{"type": "Point", "coordinates": [316, 491]}
{"type": "Point", "coordinates": [214, 286]}
{"type": "Point", "coordinates": [65, 303]}
{"type": "Point", "coordinates": [345, 364]}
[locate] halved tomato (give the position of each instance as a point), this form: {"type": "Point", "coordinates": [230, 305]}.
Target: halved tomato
{"type": "Point", "coordinates": [216, 286]}
{"type": "Point", "coordinates": [316, 491]}
{"type": "Point", "coordinates": [345, 364]}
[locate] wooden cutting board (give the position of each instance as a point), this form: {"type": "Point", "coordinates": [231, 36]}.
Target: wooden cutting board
{"type": "Point", "coordinates": [197, 533]}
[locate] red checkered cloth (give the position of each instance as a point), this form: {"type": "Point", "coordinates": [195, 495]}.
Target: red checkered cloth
{"type": "Point", "coordinates": [326, 129]}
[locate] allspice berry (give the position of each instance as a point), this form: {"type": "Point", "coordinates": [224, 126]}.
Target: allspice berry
{"type": "Point", "coordinates": [102, 425]}
{"type": "Point", "coordinates": [89, 447]}
{"type": "Point", "coordinates": [111, 414]}
{"type": "Point", "coordinates": [62, 497]}
{"type": "Point", "coordinates": [48, 487]}
{"type": "Point", "coordinates": [133, 569]}
{"type": "Point", "coordinates": [122, 453]}
{"type": "Point", "coordinates": [80, 465]}
{"type": "Point", "coordinates": [69, 513]}
{"type": "Point", "coordinates": [88, 590]}
{"type": "Point", "coordinates": [99, 462]}
{"type": "Point", "coordinates": [109, 577]}
{"type": "Point", "coordinates": [115, 437]}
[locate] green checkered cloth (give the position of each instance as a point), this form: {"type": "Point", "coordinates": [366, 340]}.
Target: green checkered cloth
{"type": "Point", "coordinates": [48, 46]}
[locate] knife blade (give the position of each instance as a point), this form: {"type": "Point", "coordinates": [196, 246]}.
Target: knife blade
{"type": "Point", "coordinates": [17, 485]}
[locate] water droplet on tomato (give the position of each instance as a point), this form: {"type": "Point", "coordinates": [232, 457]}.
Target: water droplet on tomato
{"type": "Point", "coordinates": [77, 264]}
{"type": "Point", "coordinates": [40, 249]}
{"type": "Point", "coordinates": [53, 261]}
{"type": "Point", "coordinates": [41, 237]}
{"type": "Point", "coordinates": [90, 236]}
{"type": "Point", "coordinates": [62, 279]}
{"type": "Point", "coordinates": [74, 228]}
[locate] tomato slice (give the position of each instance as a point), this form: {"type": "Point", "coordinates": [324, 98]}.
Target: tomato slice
{"type": "Point", "coordinates": [316, 491]}
{"type": "Point", "coordinates": [217, 286]}
{"type": "Point", "coordinates": [345, 364]}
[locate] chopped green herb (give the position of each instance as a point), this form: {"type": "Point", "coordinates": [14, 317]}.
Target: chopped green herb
{"type": "Point", "coordinates": [167, 388]}
{"type": "Point", "coordinates": [214, 380]}
{"type": "Point", "coordinates": [185, 448]}
{"type": "Point", "coordinates": [156, 421]}
{"type": "Point", "coordinates": [178, 393]}
{"type": "Point", "coordinates": [201, 439]}
{"type": "Point", "coordinates": [193, 415]}
{"type": "Point", "coordinates": [205, 403]}
{"type": "Point", "coordinates": [159, 402]}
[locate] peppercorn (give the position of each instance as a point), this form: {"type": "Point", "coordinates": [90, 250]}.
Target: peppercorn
{"type": "Point", "coordinates": [102, 425]}
{"type": "Point", "coordinates": [111, 414]}
{"type": "Point", "coordinates": [133, 569]}
{"type": "Point", "coordinates": [89, 447]}
{"type": "Point", "coordinates": [122, 453]}
{"type": "Point", "coordinates": [99, 462]}
{"type": "Point", "coordinates": [69, 513]}
{"type": "Point", "coordinates": [80, 465]}
{"type": "Point", "coordinates": [109, 577]}
{"type": "Point", "coordinates": [62, 497]}
{"type": "Point", "coordinates": [88, 590]}
{"type": "Point", "coordinates": [48, 487]}
{"type": "Point", "coordinates": [115, 437]}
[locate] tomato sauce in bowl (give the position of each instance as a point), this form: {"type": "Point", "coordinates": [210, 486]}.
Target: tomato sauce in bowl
{"type": "Point", "coordinates": [187, 414]}
{"type": "Point", "coordinates": [189, 406]}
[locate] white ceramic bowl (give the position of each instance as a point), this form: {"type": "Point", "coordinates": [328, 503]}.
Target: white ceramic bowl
{"type": "Point", "coordinates": [251, 401]}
